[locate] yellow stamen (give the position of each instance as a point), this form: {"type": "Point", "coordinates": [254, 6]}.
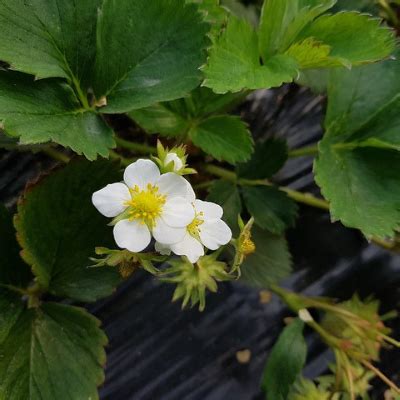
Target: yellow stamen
{"type": "Point", "coordinates": [145, 205]}
{"type": "Point", "coordinates": [194, 227]}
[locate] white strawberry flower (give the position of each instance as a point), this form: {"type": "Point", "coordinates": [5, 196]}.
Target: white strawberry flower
{"type": "Point", "coordinates": [205, 230]}
{"type": "Point", "coordinates": [147, 204]}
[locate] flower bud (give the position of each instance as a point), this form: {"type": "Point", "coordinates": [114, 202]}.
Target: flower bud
{"type": "Point", "coordinates": [173, 160]}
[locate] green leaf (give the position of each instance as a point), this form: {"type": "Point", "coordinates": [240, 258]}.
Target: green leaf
{"type": "Point", "coordinates": [234, 62]}
{"type": "Point", "coordinates": [49, 38]}
{"type": "Point", "coordinates": [167, 119]}
{"type": "Point", "coordinates": [40, 111]}
{"type": "Point", "coordinates": [268, 158]}
{"type": "Point", "coordinates": [271, 208]}
{"type": "Point", "coordinates": [282, 20]}
{"type": "Point", "coordinates": [13, 271]}
{"type": "Point", "coordinates": [271, 261]}
{"type": "Point", "coordinates": [52, 352]}
{"type": "Point", "coordinates": [285, 362]}
{"type": "Point", "coordinates": [141, 63]}
{"type": "Point", "coordinates": [227, 195]}
{"type": "Point", "coordinates": [365, 6]}
{"type": "Point", "coordinates": [353, 39]}
{"type": "Point", "coordinates": [175, 118]}
{"type": "Point", "coordinates": [356, 168]}
{"type": "Point", "coordinates": [58, 229]}
{"type": "Point", "coordinates": [223, 137]}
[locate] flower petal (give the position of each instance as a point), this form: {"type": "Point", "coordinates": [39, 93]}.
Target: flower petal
{"type": "Point", "coordinates": [215, 233]}
{"type": "Point", "coordinates": [110, 201]}
{"type": "Point", "coordinates": [174, 185]}
{"type": "Point", "coordinates": [163, 249]}
{"type": "Point", "coordinates": [190, 194]}
{"type": "Point", "coordinates": [141, 173]}
{"type": "Point", "coordinates": [166, 234]}
{"type": "Point", "coordinates": [178, 212]}
{"type": "Point", "coordinates": [189, 247]}
{"type": "Point", "coordinates": [132, 235]}
{"type": "Point", "coordinates": [210, 210]}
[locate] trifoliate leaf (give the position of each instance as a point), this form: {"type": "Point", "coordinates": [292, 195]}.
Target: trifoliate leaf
{"type": "Point", "coordinates": [147, 52]}
{"type": "Point", "coordinates": [352, 37]}
{"type": "Point", "coordinates": [282, 21]}
{"type": "Point", "coordinates": [49, 38]}
{"type": "Point", "coordinates": [270, 263]}
{"type": "Point", "coordinates": [271, 208]}
{"type": "Point", "coordinates": [227, 195]}
{"type": "Point", "coordinates": [286, 361]}
{"type": "Point", "coordinates": [223, 137]}
{"type": "Point", "coordinates": [234, 62]}
{"type": "Point", "coordinates": [43, 111]}
{"type": "Point", "coordinates": [59, 228]}
{"type": "Point", "coordinates": [52, 352]}
{"type": "Point", "coordinates": [13, 271]}
{"type": "Point", "coordinates": [357, 165]}
{"type": "Point", "coordinates": [268, 158]}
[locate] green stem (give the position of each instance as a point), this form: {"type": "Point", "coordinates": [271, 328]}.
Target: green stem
{"type": "Point", "coordinates": [81, 95]}
{"type": "Point", "coordinates": [124, 161]}
{"type": "Point", "coordinates": [56, 155]}
{"type": "Point", "coordinates": [136, 147]}
{"type": "Point", "coordinates": [304, 198]}
{"type": "Point", "coordinates": [304, 152]}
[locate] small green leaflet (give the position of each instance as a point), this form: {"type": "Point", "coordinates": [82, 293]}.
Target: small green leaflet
{"type": "Point", "coordinates": [52, 352]}
{"type": "Point", "coordinates": [234, 62]}
{"type": "Point", "coordinates": [13, 271]}
{"type": "Point", "coordinates": [200, 118]}
{"type": "Point", "coordinates": [175, 118]}
{"type": "Point", "coordinates": [293, 36]}
{"type": "Point", "coordinates": [165, 55]}
{"type": "Point", "coordinates": [224, 137]}
{"type": "Point", "coordinates": [271, 261]}
{"type": "Point", "coordinates": [285, 362]}
{"type": "Point", "coordinates": [271, 208]}
{"type": "Point", "coordinates": [359, 155]}
{"type": "Point", "coordinates": [40, 111]}
{"type": "Point", "coordinates": [268, 158]}
{"type": "Point", "coordinates": [227, 195]}
{"type": "Point", "coordinates": [58, 229]}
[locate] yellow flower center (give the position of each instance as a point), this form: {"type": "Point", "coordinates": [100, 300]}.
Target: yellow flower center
{"type": "Point", "coordinates": [247, 247]}
{"type": "Point", "coordinates": [146, 205]}
{"type": "Point", "coordinates": [194, 227]}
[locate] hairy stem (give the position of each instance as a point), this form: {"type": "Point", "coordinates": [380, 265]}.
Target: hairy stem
{"type": "Point", "coordinates": [304, 152]}
{"type": "Point", "coordinates": [56, 155]}
{"type": "Point", "coordinates": [136, 147]}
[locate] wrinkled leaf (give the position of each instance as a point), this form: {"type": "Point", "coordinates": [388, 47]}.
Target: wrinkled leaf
{"type": "Point", "coordinates": [52, 352]}
{"type": "Point", "coordinates": [141, 63]}
{"type": "Point", "coordinates": [59, 228]}
{"type": "Point", "coordinates": [356, 168]}
{"type": "Point", "coordinates": [234, 62]}
{"type": "Point", "coordinates": [43, 111]}
{"type": "Point", "coordinates": [49, 38]}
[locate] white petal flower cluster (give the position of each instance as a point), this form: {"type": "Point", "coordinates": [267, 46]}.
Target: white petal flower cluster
{"type": "Point", "coordinates": [163, 206]}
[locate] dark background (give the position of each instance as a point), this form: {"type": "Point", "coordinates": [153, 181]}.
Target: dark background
{"type": "Point", "coordinates": [158, 352]}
